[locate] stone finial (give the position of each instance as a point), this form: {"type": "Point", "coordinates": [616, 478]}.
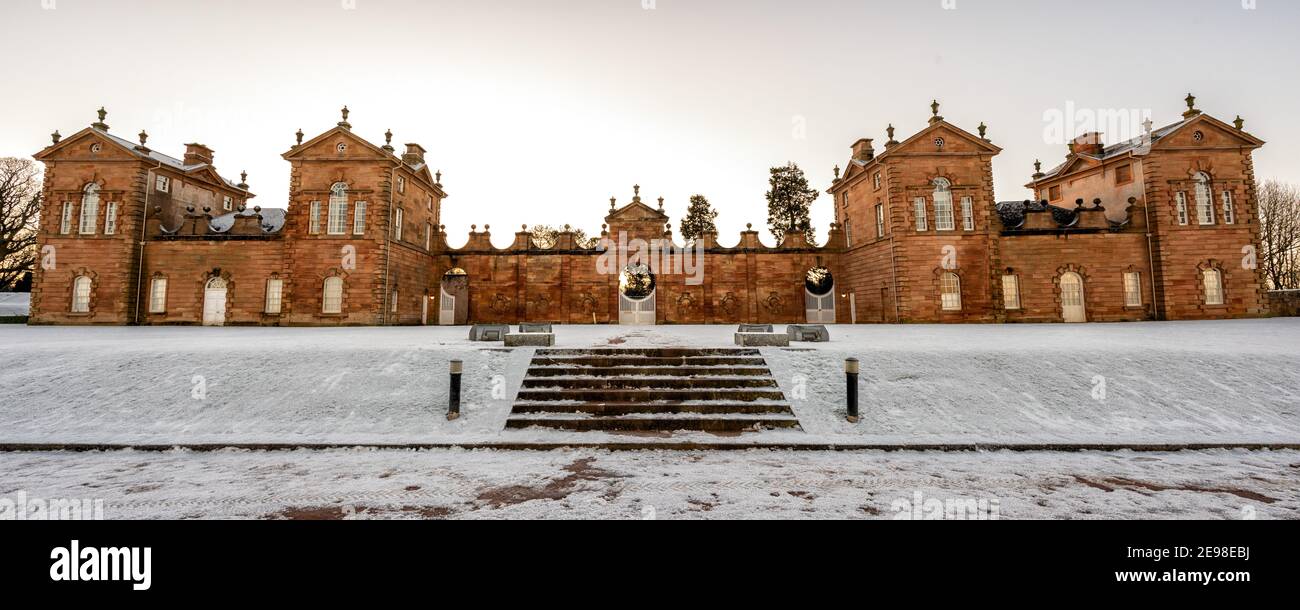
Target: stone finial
{"type": "Point", "coordinates": [890, 130]}
{"type": "Point", "coordinates": [487, 228]}
{"type": "Point", "coordinates": [299, 135]}
{"type": "Point", "coordinates": [344, 123]}
{"type": "Point", "coordinates": [749, 226]}
{"type": "Point", "coordinates": [243, 180]}
{"type": "Point", "coordinates": [1038, 169]}
{"type": "Point", "coordinates": [437, 178]}
{"type": "Point", "coordinates": [934, 110]}
{"type": "Point", "coordinates": [604, 228]}
{"type": "Point", "coordinates": [636, 192]}
{"type": "Point", "coordinates": [1191, 107]}
{"type": "Point", "coordinates": [668, 227]}
{"type": "Point", "coordinates": [837, 173]}
{"type": "Point", "coordinates": [388, 141]}
{"type": "Point", "coordinates": [984, 131]}
{"type": "Point", "coordinates": [661, 203]}
{"type": "Point", "coordinates": [144, 139]}
{"type": "Point", "coordinates": [100, 124]}
{"type": "Point", "coordinates": [613, 203]}
{"type": "Point", "coordinates": [473, 228]}
{"type": "Point", "coordinates": [1240, 123]}
{"type": "Point", "coordinates": [523, 228]}
{"type": "Point", "coordinates": [56, 136]}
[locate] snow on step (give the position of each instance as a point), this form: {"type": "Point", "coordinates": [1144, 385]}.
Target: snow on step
{"type": "Point", "coordinates": [724, 390]}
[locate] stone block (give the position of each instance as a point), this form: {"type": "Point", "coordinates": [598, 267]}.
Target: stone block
{"type": "Point", "coordinates": [808, 333]}
{"type": "Point", "coordinates": [489, 332]}
{"type": "Point", "coordinates": [762, 340]}
{"type": "Point", "coordinates": [530, 340]}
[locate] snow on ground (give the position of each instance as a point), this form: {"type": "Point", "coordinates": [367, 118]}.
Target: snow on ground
{"type": "Point", "coordinates": [1181, 382]}
{"type": "Point", "coordinates": [14, 304]}
{"type": "Point", "coordinates": [475, 484]}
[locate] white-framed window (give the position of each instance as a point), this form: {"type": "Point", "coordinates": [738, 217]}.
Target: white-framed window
{"type": "Point", "coordinates": [880, 220]}
{"type": "Point", "coordinates": [332, 302]}
{"type": "Point", "coordinates": [401, 185]}
{"type": "Point", "coordinates": [950, 291]}
{"type": "Point", "coordinates": [1180, 198]}
{"type": "Point", "coordinates": [943, 212]}
{"type": "Point", "coordinates": [110, 218]}
{"type": "Point", "coordinates": [428, 236]}
{"type": "Point", "coordinates": [274, 295]}
{"type": "Point", "coordinates": [1011, 291]}
{"type": "Point", "coordinates": [1229, 215]}
{"type": "Point", "coordinates": [227, 203]}
{"type": "Point", "coordinates": [158, 295]}
{"type": "Point", "coordinates": [313, 218]}
{"type": "Point", "coordinates": [1204, 200]}
{"type": "Point", "coordinates": [394, 303]}
{"type": "Point", "coordinates": [338, 212]}
{"type": "Point", "coordinates": [359, 218]}
{"type": "Point", "coordinates": [81, 294]}
{"type": "Point", "coordinates": [922, 223]}
{"type": "Point", "coordinates": [65, 222]}
{"type": "Point", "coordinates": [1213, 279]}
{"type": "Point", "coordinates": [968, 213]}
{"type": "Point", "coordinates": [397, 224]}
{"type": "Point", "coordinates": [875, 180]}
{"type": "Point", "coordinates": [163, 184]}
{"type": "Point", "coordinates": [89, 209]}
{"type": "Point", "coordinates": [848, 232]}
{"type": "Point", "coordinates": [1132, 289]}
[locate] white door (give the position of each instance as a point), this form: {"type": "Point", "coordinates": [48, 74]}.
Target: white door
{"type": "Point", "coordinates": [447, 310]}
{"type": "Point", "coordinates": [214, 303]}
{"type": "Point", "coordinates": [1072, 301]}
{"type": "Point", "coordinates": [633, 312]}
{"type": "Point", "coordinates": [821, 309]}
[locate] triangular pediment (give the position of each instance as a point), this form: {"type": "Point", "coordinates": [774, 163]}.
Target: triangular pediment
{"type": "Point", "coordinates": [636, 212]}
{"type": "Point", "coordinates": [1214, 134]}
{"type": "Point", "coordinates": [112, 147]}
{"type": "Point", "coordinates": [956, 140]}
{"type": "Point", "coordinates": [326, 144]}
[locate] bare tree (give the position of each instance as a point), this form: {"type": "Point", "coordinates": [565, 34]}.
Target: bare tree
{"type": "Point", "coordinates": [20, 209]}
{"type": "Point", "coordinates": [545, 236]}
{"type": "Point", "coordinates": [1279, 211]}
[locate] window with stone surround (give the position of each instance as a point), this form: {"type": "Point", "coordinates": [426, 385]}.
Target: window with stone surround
{"type": "Point", "coordinates": [428, 236]}
{"type": "Point", "coordinates": [89, 209]}
{"type": "Point", "coordinates": [227, 204]}
{"type": "Point", "coordinates": [880, 220]}
{"type": "Point", "coordinates": [1011, 292]}
{"type": "Point", "coordinates": [1204, 200]}
{"type": "Point", "coordinates": [397, 224]}
{"type": "Point", "coordinates": [338, 212]}
{"type": "Point", "coordinates": [158, 295]}
{"type": "Point", "coordinates": [332, 301]}
{"type": "Point", "coordinates": [110, 218]}
{"type": "Point", "coordinates": [1229, 215]}
{"type": "Point", "coordinates": [163, 184]}
{"type": "Point", "coordinates": [359, 218]}
{"type": "Point", "coordinates": [876, 181]}
{"type": "Point", "coordinates": [274, 295]}
{"type": "Point", "coordinates": [950, 291]}
{"type": "Point", "coordinates": [1054, 193]}
{"type": "Point", "coordinates": [1132, 289]}
{"type": "Point", "coordinates": [1124, 174]}
{"type": "Point", "coordinates": [313, 219]}
{"type": "Point", "coordinates": [968, 213]}
{"type": "Point", "coordinates": [1180, 199]}
{"type": "Point", "coordinates": [922, 223]}
{"type": "Point", "coordinates": [1213, 280]}
{"type": "Point", "coordinates": [943, 212]}
{"type": "Point", "coordinates": [65, 222]}
{"type": "Point", "coordinates": [81, 288]}
{"type": "Point", "coordinates": [848, 232]}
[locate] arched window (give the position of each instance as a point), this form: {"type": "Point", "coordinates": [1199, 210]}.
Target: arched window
{"type": "Point", "coordinates": [333, 299]}
{"type": "Point", "coordinates": [950, 291]}
{"type": "Point", "coordinates": [1204, 199]}
{"type": "Point", "coordinates": [81, 294]}
{"type": "Point", "coordinates": [943, 214]}
{"type": "Point", "coordinates": [1213, 279]}
{"type": "Point", "coordinates": [89, 209]}
{"type": "Point", "coordinates": [338, 210]}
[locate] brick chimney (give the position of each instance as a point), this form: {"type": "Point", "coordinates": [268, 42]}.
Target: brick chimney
{"type": "Point", "coordinates": [862, 150]}
{"type": "Point", "coordinates": [196, 154]}
{"type": "Point", "coordinates": [414, 154]}
{"type": "Point", "coordinates": [1088, 144]}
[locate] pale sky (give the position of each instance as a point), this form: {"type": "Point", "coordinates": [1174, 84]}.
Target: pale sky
{"type": "Point", "coordinates": [537, 111]}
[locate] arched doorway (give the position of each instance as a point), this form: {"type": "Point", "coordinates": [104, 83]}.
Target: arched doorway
{"type": "Point", "coordinates": [1072, 298]}
{"type": "Point", "coordinates": [214, 302]}
{"type": "Point", "coordinates": [636, 296]}
{"type": "Point", "coordinates": [453, 298]}
{"type": "Point", "coordinates": [819, 295]}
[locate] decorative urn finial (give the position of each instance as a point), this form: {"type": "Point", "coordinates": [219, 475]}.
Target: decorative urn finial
{"type": "Point", "coordinates": [344, 123]}
{"type": "Point", "coordinates": [1240, 123]}
{"type": "Point", "coordinates": [299, 135]}
{"type": "Point", "coordinates": [984, 131]}
{"type": "Point", "coordinates": [100, 124]}
{"type": "Point", "coordinates": [56, 136]}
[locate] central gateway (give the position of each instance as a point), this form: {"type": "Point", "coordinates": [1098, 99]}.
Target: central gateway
{"type": "Point", "coordinates": [636, 296]}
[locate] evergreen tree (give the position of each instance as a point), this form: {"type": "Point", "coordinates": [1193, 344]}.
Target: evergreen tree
{"type": "Point", "coordinates": [699, 219]}
{"type": "Point", "coordinates": [789, 202]}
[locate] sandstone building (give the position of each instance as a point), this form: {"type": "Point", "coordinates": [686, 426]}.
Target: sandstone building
{"type": "Point", "coordinates": [1160, 227]}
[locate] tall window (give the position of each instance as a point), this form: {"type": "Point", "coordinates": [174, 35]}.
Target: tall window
{"type": "Point", "coordinates": [1181, 199]}
{"type": "Point", "coordinates": [65, 223]}
{"type": "Point", "coordinates": [359, 218]}
{"type": "Point", "coordinates": [968, 213]}
{"type": "Point", "coordinates": [313, 219]}
{"type": "Point", "coordinates": [401, 185]}
{"type": "Point", "coordinates": [338, 209]}
{"type": "Point", "coordinates": [158, 295]}
{"type": "Point", "coordinates": [274, 295]}
{"type": "Point", "coordinates": [921, 223]}
{"type": "Point", "coordinates": [333, 299]}
{"type": "Point", "coordinates": [848, 231]}
{"type": "Point", "coordinates": [1229, 216]}
{"type": "Point", "coordinates": [1132, 289]}
{"type": "Point", "coordinates": [110, 218]}
{"type": "Point", "coordinates": [397, 222]}
{"type": "Point", "coordinates": [1213, 286]}
{"type": "Point", "coordinates": [89, 209]}
{"type": "Point", "coordinates": [1011, 291]}
{"type": "Point", "coordinates": [943, 215]}
{"type": "Point", "coordinates": [81, 294]}
{"type": "Point", "coordinates": [876, 181]}
{"type": "Point", "coordinates": [394, 303]}
{"type": "Point", "coordinates": [880, 220]}
{"type": "Point", "coordinates": [1204, 200]}
{"type": "Point", "coordinates": [428, 236]}
{"type": "Point", "coordinates": [950, 291]}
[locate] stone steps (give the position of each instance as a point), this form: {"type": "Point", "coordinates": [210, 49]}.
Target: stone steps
{"type": "Point", "coordinates": [639, 390]}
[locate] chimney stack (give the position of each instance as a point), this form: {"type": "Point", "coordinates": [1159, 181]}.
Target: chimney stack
{"type": "Point", "coordinates": [414, 154]}
{"type": "Point", "coordinates": [863, 151]}
{"type": "Point", "coordinates": [196, 154]}
{"type": "Point", "coordinates": [1088, 144]}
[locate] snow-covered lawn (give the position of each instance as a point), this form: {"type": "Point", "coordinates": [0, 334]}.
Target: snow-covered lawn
{"type": "Point", "coordinates": [661, 484]}
{"type": "Point", "coordinates": [1193, 382]}
{"type": "Point", "coordinates": [14, 304]}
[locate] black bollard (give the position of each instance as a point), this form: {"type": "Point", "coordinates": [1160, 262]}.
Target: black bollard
{"type": "Point", "coordinates": [851, 369]}
{"type": "Point", "coordinates": [453, 409]}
